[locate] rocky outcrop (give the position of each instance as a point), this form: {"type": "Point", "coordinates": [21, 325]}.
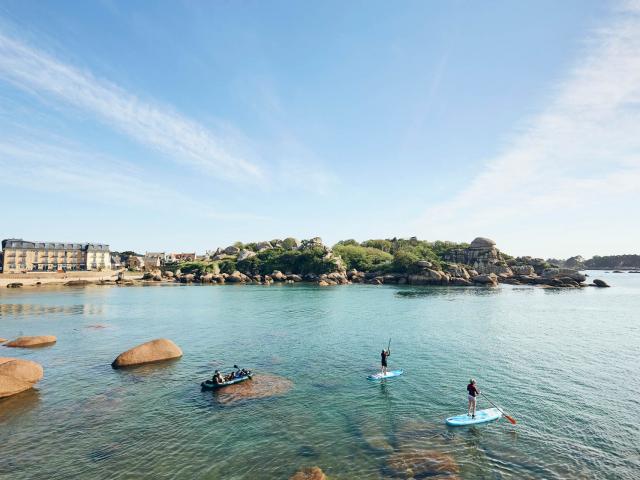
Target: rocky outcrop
{"type": "Point", "coordinates": [600, 283]}
{"type": "Point", "coordinates": [150, 352]}
{"type": "Point", "coordinates": [309, 473]}
{"type": "Point", "coordinates": [32, 342]}
{"type": "Point", "coordinates": [14, 285]}
{"type": "Point", "coordinates": [523, 270]}
{"type": "Point", "coordinates": [482, 256]}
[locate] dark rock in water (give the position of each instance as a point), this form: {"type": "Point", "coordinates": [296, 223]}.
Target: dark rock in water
{"type": "Point", "coordinates": [14, 285]}
{"type": "Point", "coordinates": [600, 283]}
{"type": "Point", "coordinates": [77, 283]}
{"type": "Point", "coordinates": [421, 463]}
{"type": "Point", "coordinates": [306, 451]}
{"type": "Point", "coordinates": [309, 473]}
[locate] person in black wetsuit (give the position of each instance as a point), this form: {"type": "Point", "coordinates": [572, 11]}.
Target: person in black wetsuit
{"type": "Point", "coordinates": [383, 360]}
{"type": "Point", "coordinates": [473, 392]}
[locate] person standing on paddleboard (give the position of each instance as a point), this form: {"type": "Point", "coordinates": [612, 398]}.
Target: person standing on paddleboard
{"type": "Point", "coordinates": [473, 392]}
{"type": "Point", "coordinates": [383, 360]}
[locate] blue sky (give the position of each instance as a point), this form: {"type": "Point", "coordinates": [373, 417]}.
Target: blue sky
{"type": "Point", "coordinates": [186, 126]}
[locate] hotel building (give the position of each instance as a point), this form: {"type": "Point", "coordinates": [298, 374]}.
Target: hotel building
{"type": "Point", "coordinates": [24, 256]}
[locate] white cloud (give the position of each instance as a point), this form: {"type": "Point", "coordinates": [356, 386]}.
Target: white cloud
{"type": "Point", "coordinates": [153, 125]}
{"type": "Point", "coordinates": [581, 154]}
{"type": "Point", "coordinates": [61, 167]}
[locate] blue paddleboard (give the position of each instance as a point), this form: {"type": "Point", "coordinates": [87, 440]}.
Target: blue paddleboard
{"type": "Point", "coordinates": [482, 416]}
{"type": "Point", "coordinates": [390, 373]}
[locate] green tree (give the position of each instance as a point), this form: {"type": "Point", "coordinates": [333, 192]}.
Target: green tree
{"type": "Point", "coordinates": [365, 259]}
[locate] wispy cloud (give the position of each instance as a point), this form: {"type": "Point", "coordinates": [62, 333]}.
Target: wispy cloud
{"type": "Point", "coordinates": [152, 124]}
{"type": "Point", "coordinates": [61, 167]}
{"type": "Point", "coordinates": [581, 152]}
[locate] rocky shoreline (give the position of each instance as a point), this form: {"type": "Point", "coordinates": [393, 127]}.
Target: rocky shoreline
{"type": "Point", "coordinates": [478, 264]}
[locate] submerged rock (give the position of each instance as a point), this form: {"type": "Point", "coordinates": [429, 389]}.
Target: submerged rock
{"type": "Point", "coordinates": [31, 342]}
{"type": "Point", "coordinates": [421, 463]}
{"type": "Point", "coordinates": [262, 385]}
{"type": "Point", "coordinates": [309, 473]}
{"type": "Point", "coordinates": [154, 351]}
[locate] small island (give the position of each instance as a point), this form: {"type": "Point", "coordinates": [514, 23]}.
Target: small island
{"type": "Point", "coordinates": [388, 261]}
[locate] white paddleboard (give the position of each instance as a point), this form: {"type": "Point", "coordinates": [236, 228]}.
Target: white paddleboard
{"type": "Point", "coordinates": [482, 416]}
{"type": "Point", "coordinates": [389, 374]}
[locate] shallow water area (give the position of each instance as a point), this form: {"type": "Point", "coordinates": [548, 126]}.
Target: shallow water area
{"type": "Point", "coordinates": [562, 362]}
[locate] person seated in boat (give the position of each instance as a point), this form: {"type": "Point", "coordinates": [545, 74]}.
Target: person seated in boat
{"type": "Point", "coordinates": [383, 360]}
{"type": "Point", "coordinates": [217, 377]}
{"type": "Point", "coordinates": [473, 392]}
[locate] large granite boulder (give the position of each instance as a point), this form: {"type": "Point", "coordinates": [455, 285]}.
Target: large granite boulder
{"type": "Point", "coordinates": [32, 342]}
{"type": "Point", "coordinates": [154, 351]}
{"type": "Point", "coordinates": [231, 250]}
{"type": "Point", "coordinates": [482, 243]}
{"type": "Point", "coordinates": [426, 277]}
{"type": "Point", "coordinates": [309, 473]}
{"type": "Point", "coordinates": [235, 277]}
{"type": "Point", "coordinates": [245, 254]}
{"type": "Point", "coordinates": [489, 279]}
{"type": "Point", "coordinates": [25, 370]}
{"type": "Point", "coordinates": [261, 246]}
{"type": "Point", "coordinates": [278, 276]}
{"type": "Point", "coordinates": [10, 385]}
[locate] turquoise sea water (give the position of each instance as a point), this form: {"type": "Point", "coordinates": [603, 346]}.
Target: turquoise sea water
{"type": "Point", "coordinates": [564, 363]}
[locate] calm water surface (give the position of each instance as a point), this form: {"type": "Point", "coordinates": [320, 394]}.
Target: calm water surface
{"type": "Point", "coordinates": [564, 363]}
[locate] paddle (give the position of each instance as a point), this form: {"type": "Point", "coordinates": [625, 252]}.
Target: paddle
{"type": "Point", "coordinates": [389, 346]}
{"type": "Point", "coordinates": [511, 419]}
